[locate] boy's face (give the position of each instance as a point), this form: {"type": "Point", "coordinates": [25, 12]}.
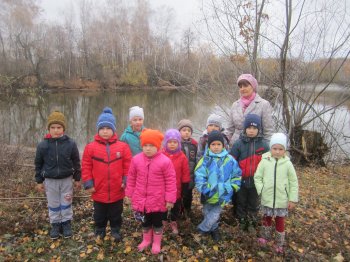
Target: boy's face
{"type": "Point", "coordinates": [252, 131]}
{"type": "Point", "coordinates": [185, 133]}
{"type": "Point", "coordinates": [172, 144]}
{"type": "Point", "coordinates": [105, 132]}
{"type": "Point", "coordinates": [136, 123]}
{"type": "Point", "coordinates": [277, 151]}
{"type": "Point", "coordinates": [56, 130]}
{"type": "Point", "coordinates": [212, 127]}
{"type": "Point", "coordinates": [216, 147]}
{"type": "Point", "coordinates": [149, 150]}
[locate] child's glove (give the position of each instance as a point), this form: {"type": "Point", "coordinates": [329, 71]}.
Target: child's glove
{"type": "Point", "coordinates": [91, 190]}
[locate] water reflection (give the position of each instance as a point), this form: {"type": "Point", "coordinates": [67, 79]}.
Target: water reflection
{"type": "Point", "coordinates": [24, 118]}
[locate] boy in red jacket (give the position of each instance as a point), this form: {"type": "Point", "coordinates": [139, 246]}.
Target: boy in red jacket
{"type": "Point", "coordinates": [105, 165]}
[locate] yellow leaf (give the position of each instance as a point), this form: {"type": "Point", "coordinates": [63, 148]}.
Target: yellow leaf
{"type": "Point", "coordinates": [82, 254]}
{"type": "Point", "coordinates": [88, 251]}
{"type": "Point", "coordinates": [52, 246]}
{"type": "Point", "coordinates": [250, 260]}
{"type": "Point", "coordinates": [90, 246]}
{"type": "Point", "coordinates": [127, 249]}
{"type": "Point", "coordinates": [143, 258]}
{"type": "Point", "coordinates": [100, 255]}
{"type": "Point", "coordinates": [300, 250]}
{"type": "Point", "coordinates": [200, 251]}
{"type": "Point", "coordinates": [216, 248]}
{"type": "Point", "coordinates": [40, 250]}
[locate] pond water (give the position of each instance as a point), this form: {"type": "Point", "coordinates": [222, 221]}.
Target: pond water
{"type": "Point", "coordinates": [23, 118]}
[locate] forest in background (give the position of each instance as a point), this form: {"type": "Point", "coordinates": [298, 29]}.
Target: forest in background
{"type": "Point", "coordinates": [126, 43]}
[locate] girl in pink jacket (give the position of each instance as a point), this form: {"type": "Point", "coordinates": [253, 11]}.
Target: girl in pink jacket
{"type": "Point", "coordinates": [151, 186]}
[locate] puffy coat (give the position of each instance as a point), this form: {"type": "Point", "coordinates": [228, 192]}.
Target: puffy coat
{"type": "Point", "coordinates": [132, 139]}
{"type": "Point", "coordinates": [182, 170]}
{"type": "Point", "coordinates": [276, 181]}
{"type": "Point", "coordinates": [248, 152]}
{"type": "Point", "coordinates": [57, 158]}
{"type": "Point", "coordinates": [217, 177]}
{"type": "Point", "coordinates": [189, 148]}
{"type": "Point", "coordinates": [258, 106]}
{"type": "Point", "coordinates": [151, 183]}
{"type": "Point", "coordinates": [104, 165]}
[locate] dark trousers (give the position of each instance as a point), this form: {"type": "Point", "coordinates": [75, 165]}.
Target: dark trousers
{"type": "Point", "coordinates": [154, 219]}
{"type": "Point", "coordinates": [175, 212]}
{"type": "Point", "coordinates": [187, 199]}
{"type": "Point", "coordinates": [112, 212]}
{"type": "Point", "coordinates": [247, 202]}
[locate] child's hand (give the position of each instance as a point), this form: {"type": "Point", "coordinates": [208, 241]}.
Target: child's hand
{"type": "Point", "coordinates": [77, 185]}
{"type": "Point", "coordinates": [91, 190]}
{"type": "Point", "coordinates": [169, 205]}
{"type": "Point", "coordinates": [291, 205]}
{"type": "Point", "coordinates": [127, 200]}
{"type": "Point", "coordinates": [40, 188]}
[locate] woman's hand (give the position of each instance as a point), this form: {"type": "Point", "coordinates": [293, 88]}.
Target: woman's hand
{"type": "Point", "coordinates": [169, 205]}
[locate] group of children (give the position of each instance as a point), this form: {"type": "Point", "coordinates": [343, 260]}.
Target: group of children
{"type": "Point", "coordinates": [158, 173]}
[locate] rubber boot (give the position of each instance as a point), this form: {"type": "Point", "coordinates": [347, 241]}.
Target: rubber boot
{"type": "Point", "coordinates": [279, 241]}
{"type": "Point", "coordinates": [55, 230]}
{"type": "Point", "coordinates": [174, 228]}
{"type": "Point", "coordinates": [157, 240]}
{"type": "Point", "coordinates": [265, 235]}
{"type": "Point", "coordinates": [147, 239]}
{"type": "Point", "coordinates": [67, 229]}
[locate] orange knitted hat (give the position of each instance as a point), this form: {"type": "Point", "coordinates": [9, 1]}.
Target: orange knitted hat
{"type": "Point", "coordinates": [151, 136]}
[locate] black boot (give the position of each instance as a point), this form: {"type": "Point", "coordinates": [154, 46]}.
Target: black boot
{"type": "Point", "coordinates": [215, 235]}
{"type": "Point", "coordinates": [67, 229]}
{"type": "Point", "coordinates": [55, 230]}
{"type": "Point", "coordinates": [115, 233]}
{"type": "Point", "coordinates": [100, 232]}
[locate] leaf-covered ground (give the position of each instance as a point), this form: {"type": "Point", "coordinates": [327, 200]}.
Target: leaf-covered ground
{"type": "Point", "coordinates": [317, 230]}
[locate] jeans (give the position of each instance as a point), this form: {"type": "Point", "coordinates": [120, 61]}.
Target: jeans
{"type": "Point", "coordinates": [211, 215]}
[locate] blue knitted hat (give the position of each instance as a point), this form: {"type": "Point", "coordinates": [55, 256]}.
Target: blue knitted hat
{"type": "Point", "coordinates": [106, 119]}
{"type": "Point", "coordinates": [252, 120]}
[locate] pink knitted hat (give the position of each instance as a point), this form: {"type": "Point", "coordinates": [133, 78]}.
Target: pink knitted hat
{"type": "Point", "coordinates": [251, 79]}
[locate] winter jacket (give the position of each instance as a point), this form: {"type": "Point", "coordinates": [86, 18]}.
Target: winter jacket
{"type": "Point", "coordinates": [182, 170]}
{"type": "Point", "coordinates": [57, 158]}
{"type": "Point", "coordinates": [105, 163]}
{"type": "Point", "coordinates": [276, 181]}
{"type": "Point", "coordinates": [258, 106]}
{"type": "Point", "coordinates": [151, 183]}
{"type": "Point", "coordinates": [203, 144]}
{"type": "Point", "coordinates": [248, 151]}
{"type": "Point", "coordinates": [217, 177]}
{"type": "Point", "coordinates": [189, 148]}
{"type": "Point", "coordinates": [132, 139]}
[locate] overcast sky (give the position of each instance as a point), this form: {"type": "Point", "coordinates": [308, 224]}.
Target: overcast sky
{"type": "Point", "coordinates": [185, 11]}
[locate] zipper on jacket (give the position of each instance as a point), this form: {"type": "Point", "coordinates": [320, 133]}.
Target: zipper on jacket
{"type": "Point", "coordinates": [274, 185]}
{"type": "Point", "coordinates": [108, 175]}
{"type": "Point", "coordinates": [58, 166]}
{"type": "Point", "coordinates": [250, 163]}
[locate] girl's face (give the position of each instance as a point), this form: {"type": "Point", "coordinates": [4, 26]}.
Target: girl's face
{"type": "Point", "coordinates": [216, 147]}
{"type": "Point", "coordinates": [251, 131]}
{"type": "Point", "coordinates": [185, 133]}
{"type": "Point", "coordinates": [149, 150]}
{"type": "Point", "coordinates": [277, 151]}
{"type": "Point", "coordinates": [56, 130]}
{"type": "Point", "coordinates": [212, 127]}
{"type": "Point", "coordinates": [172, 144]}
{"type": "Point", "coordinates": [136, 123]}
{"type": "Point", "coordinates": [105, 132]}
{"type": "Point", "coordinates": [246, 89]}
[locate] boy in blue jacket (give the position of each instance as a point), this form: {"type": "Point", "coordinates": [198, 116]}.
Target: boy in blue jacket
{"type": "Point", "coordinates": [217, 178]}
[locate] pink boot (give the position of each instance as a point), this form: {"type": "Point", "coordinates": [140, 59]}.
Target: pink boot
{"type": "Point", "coordinates": [173, 226]}
{"type": "Point", "coordinates": [279, 242]}
{"type": "Point", "coordinates": [147, 239]}
{"type": "Point", "coordinates": [157, 240]}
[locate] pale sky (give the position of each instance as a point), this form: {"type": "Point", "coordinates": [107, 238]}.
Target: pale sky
{"type": "Point", "coordinates": [186, 11]}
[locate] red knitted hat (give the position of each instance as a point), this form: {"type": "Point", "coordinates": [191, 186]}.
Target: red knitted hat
{"type": "Point", "coordinates": [150, 136]}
